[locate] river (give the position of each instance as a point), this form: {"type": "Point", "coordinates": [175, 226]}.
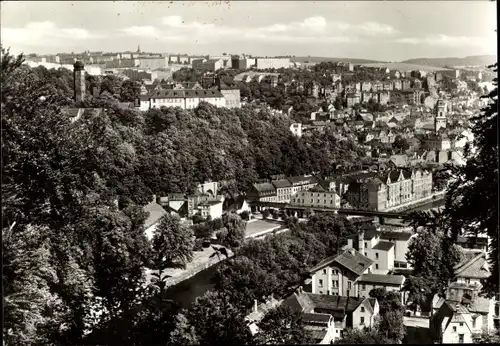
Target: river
{"type": "Point", "coordinates": [187, 291]}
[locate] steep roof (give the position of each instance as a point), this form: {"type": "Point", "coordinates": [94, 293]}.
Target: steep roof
{"type": "Point", "coordinates": [281, 183]}
{"type": "Point", "coordinates": [382, 279]}
{"type": "Point", "coordinates": [155, 211]}
{"type": "Point", "coordinates": [317, 318]}
{"type": "Point", "coordinates": [476, 267]}
{"type": "Point", "coordinates": [349, 259]}
{"type": "Point", "coordinates": [402, 236]}
{"type": "Point", "coordinates": [384, 246]}
{"type": "Point", "coordinates": [324, 303]}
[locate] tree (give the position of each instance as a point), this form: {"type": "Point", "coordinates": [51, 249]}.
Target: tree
{"type": "Point", "coordinates": [472, 198]}
{"type": "Point", "coordinates": [401, 144]}
{"type": "Point", "coordinates": [218, 322]}
{"type": "Point", "coordinates": [233, 232]}
{"type": "Point", "coordinates": [265, 213]}
{"type": "Point", "coordinates": [282, 325]}
{"type": "Point", "coordinates": [390, 322]}
{"type": "Point", "coordinates": [173, 245]}
{"type": "Point", "coordinates": [367, 336]}
{"type": "Point", "coordinates": [184, 333]}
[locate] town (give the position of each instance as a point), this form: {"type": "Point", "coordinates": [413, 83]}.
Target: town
{"type": "Point", "coordinates": [232, 198]}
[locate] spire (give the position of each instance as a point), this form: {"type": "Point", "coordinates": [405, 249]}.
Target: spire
{"type": "Point", "coordinates": [138, 48]}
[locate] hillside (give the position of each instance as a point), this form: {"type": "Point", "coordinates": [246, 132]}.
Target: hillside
{"type": "Point", "coordinates": [318, 59]}
{"type": "Point", "coordinates": [476, 60]}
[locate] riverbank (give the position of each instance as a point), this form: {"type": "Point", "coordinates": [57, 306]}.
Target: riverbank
{"type": "Point", "coordinates": [201, 261]}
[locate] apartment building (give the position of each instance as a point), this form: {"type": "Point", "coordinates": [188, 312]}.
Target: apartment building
{"type": "Point", "coordinates": [185, 99]}
{"type": "Point", "coordinates": [269, 63]}
{"type": "Point", "coordinates": [283, 190]}
{"type": "Point", "coordinates": [302, 183]}
{"type": "Point", "coordinates": [316, 197]}
{"type": "Point", "coordinates": [262, 192]}
{"type": "Point", "coordinates": [152, 63]}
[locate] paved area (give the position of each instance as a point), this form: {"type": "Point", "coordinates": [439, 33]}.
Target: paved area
{"type": "Point", "coordinates": [256, 227]}
{"type": "Point", "coordinates": [416, 322]}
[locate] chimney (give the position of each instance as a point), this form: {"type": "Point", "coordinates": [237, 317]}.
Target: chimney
{"type": "Point", "coordinates": [255, 305]}
{"type": "Point", "coordinates": [79, 81]}
{"type": "Point", "coordinates": [361, 242]}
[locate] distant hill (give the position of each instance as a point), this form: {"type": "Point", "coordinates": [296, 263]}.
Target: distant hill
{"type": "Point", "coordinates": [476, 60]}
{"type": "Point", "coordinates": [318, 59]}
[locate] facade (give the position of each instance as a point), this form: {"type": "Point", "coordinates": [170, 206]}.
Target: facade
{"type": "Point", "coordinates": [153, 63]}
{"type": "Point", "coordinates": [383, 97]}
{"type": "Point", "coordinates": [401, 240]}
{"type": "Point", "coordinates": [337, 275]}
{"type": "Point", "coordinates": [211, 208]}
{"type": "Point", "coordinates": [391, 283]}
{"type": "Point", "coordinates": [263, 192]}
{"type": "Point", "coordinates": [380, 191]}
{"type": "Point", "coordinates": [302, 183]}
{"type": "Point", "coordinates": [232, 98]}
{"type": "Point", "coordinates": [283, 190]}
{"type": "Point", "coordinates": [353, 99]}
{"type": "Point", "coordinates": [441, 111]}
{"type": "Point", "coordinates": [269, 63]}
{"type": "Point", "coordinates": [185, 99]}
{"type": "Point", "coordinates": [79, 81]}
{"type": "Point", "coordinates": [451, 324]}
{"type": "Point", "coordinates": [296, 129]}
{"type": "Point", "coordinates": [317, 198]}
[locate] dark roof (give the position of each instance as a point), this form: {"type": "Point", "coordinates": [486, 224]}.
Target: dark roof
{"type": "Point", "coordinates": [335, 303]}
{"type": "Point", "coordinates": [317, 318]}
{"type": "Point", "coordinates": [281, 183]}
{"type": "Point", "coordinates": [383, 245]}
{"type": "Point", "coordinates": [186, 93]}
{"type": "Point", "coordinates": [382, 279]}
{"type": "Point", "coordinates": [264, 187]}
{"type": "Point", "coordinates": [317, 335]}
{"type": "Point", "coordinates": [349, 259]}
{"type": "Point", "coordinates": [402, 236]}
{"type": "Point", "coordinates": [155, 211]}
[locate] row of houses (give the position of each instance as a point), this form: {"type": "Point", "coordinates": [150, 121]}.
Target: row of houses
{"type": "Point", "coordinates": [281, 190]}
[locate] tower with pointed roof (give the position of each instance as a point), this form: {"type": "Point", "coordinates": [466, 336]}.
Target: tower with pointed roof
{"type": "Point", "coordinates": [440, 120]}
{"type": "Point", "coordinates": [138, 48]}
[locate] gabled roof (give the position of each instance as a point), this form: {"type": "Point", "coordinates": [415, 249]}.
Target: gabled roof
{"type": "Point", "coordinates": [155, 211]}
{"type": "Point", "coordinates": [264, 187]}
{"type": "Point", "coordinates": [383, 246]}
{"type": "Point", "coordinates": [402, 236]}
{"type": "Point", "coordinates": [474, 268]}
{"type": "Point", "coordinates": [349, 259]}
{"type": "Point", "coordinates": [281, 183]}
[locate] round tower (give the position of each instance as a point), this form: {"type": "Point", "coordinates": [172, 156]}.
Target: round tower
{"type": "Point", "coordinates": [79, 81]}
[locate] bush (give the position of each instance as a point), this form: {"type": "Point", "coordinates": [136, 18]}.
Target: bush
{"type": "Point", "coordinates": [198, 244]}
{"type": "Point", "coordinates": [198, 219]}
{"type": "Point", "coordinates": [275, 214]}
{"type": "Point", "coordinates": [245, 215]}
{"type": "Point", "coordinates": [266, 213]}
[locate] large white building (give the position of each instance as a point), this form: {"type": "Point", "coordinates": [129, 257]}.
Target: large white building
{"type": "Point", "coordinates": [268, 63]}
{"type": "Point", "coordinates": [185, 99]}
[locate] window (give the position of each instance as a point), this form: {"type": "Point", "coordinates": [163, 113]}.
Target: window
{"type": "Point", "coordinates": [366, 254]}
{"type": "Point", "coordinates": [324, 271]}
{"type": "Point", "coordinates": [362, 320]}
{"type": "Point", "coordinates": [320, 283]}
{"type": "Point", "coordinates": [461, 324]}
{"type": "Point", "coordinates": [376, 255]}
{"type": "Point", "coordinates": [376, 266]}
{"type": "Point", "coordinates": [363, 287]}
{"type": "Point", "coordinates": [366, 244]}
{"type": "Point", "coordinates": [349, 283]}
{"type": "Point", "coordinates": [454, 329]}
{"type": "Point", "coordinates": [474, 323]}
{"type": "Point", "coordinates": [362, 309]}
{"type": "Point", "coordinates": [460, 338]}
{"type": "Point", "coordinates": [467, 281]}
{"type": "Point", "coordinates": [335, 283]}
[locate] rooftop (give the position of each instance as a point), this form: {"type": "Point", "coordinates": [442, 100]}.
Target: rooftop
{"type": "Point", "coordinates": [155, 211]}
{"type": "Point", "coordinates": [384, 246]}
{"type": "Point", "coordinates": [281, 183]}
{"type": "Point", "coordinates": [402, 236]}
{"type": "Point", "coordinates": [349, 259]}
{"type": "Point", "coordinates": [382, 279]}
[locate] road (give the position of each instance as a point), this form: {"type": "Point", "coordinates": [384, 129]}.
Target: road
{"type": "Point", "coordinates": [416, 322]}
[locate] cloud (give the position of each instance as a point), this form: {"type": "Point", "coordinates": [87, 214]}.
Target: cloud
{"type": "Point", "coordinates": [140, 31]}
{"type": "Point", "coordinates": [43, 34]}
{"type": "Point", "coordinates": [444, 40]}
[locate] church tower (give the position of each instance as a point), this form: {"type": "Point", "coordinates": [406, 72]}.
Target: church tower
{"type": "Point", "coordinates": [138, 48]}
{"type": "Point", "coordinates": [440, 115]}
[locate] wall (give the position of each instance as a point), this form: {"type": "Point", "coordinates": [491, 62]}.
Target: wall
{"type": "Point", "coordinates": [367, 314]}
{"type": "Point", "coordinates": [364, 291]}
{"type": "Point", "coordinates": [153, 64]}
{"type": "Point", "coordinates": [451, 337]}
{"type": "Point", "coordinates": [232, 98]}
{"type": "Point", "coordinates": [316, 199]}
{"type": "Point", "coordinates": [336, 273]}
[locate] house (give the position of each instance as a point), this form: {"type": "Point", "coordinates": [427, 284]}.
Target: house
{"type": "Point", "coordinates": [469, 273]}
{"type": "Point", "coordinates": [401, 240]}
{"type": "Point", "coordinates": [212, 209]}
{"type": "Point", "coordinates": [316, 197]}
{"type": "Point", "coordinates": [451, 324]}
{"type": "Point", "coordinates": [238, 205]}
{"type": "Point", "coordinates": [391, 283]}
{"type": "Point", "coordinates": [302, 183]}
{"type": "Point", "coordinates": [366, 86]}
{"type": "Point", "coordinates": [155, 213]}
{"type": "Point", "coordinates": [259, 311]}
{"type": "Point", "coordinates": [353, 99]}
{"type": "Point", "coordinates": [337, 275]}
{"type": "Point", "coordinates": [380, 252]}
{"type": "Point", "coordinates": [263, 192]}
{"type": "Point", "coordinates": [185, 99]}
{"type": "Point", "coordinates": [346, 312]}
{"type": "Point", "coordinates": [283, 190]}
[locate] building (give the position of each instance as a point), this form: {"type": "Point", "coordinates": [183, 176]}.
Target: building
{"type": "Point", "coordinates": [198, 63]}
{"type": "Point", "coordinates": [337, 275]}
{"type": "Point", "coordinates": [270, 63]}
{"type": "Point", "coordinates": [384, 190]}
{"type": "Point", "coordinates": [398, 84]}
{"type": "Point", "coordinates": [380, 252]}
{"type": "Point", "coordinates": [153, 63]}
{"type": "Point", "coordinates": [155, 213]}
{"type": "Point", "coordinates": [214, 64]}
{"type": "Point", "coordinates": [316, 197]}
{"type": "Point", "coordinates": [391, 283]}
{"type": "Point", "coordinates": [296, 129]}
{"type": "Point", "coordinates": [79, 81]}
{"type": "Point", "coordinates": [283, 190]}
{"type": "Point", "coordinates": [401, 240]}
{"type": "Point", "coordinates": [441, 111]}
{"type": "Point", "coordinates": [451, 324]}
{"type": "Point", "coordinates": [185, 99]}
{"type": "Point", "coordinates": [242, 63]}
{"type": "Point", "coordinates": [302, 183]}
{"type": "Point", "coordinates": [353, 99]}
{"type": "Point", "coordinates": [405, 84]}
{"type": "Point", "coordinates": [212, 209]}
{"type": "Point", "coordinates": [259, 311]}
{"type": "Point", "coordinates": [438, 142]}
{"type": "Point", "coordinates": [262, 192]}
{"type": "Point", "coordinates": [383, 97]}
{"type": "Point", "coordinates": [346, 312]}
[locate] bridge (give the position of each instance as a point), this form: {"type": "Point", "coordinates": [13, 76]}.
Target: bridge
{"type": "Point", "coordinates": [304, 211]}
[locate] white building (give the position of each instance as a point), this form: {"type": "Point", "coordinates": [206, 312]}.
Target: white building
{"type": "Point", "coordinates": [185, 99]}
{"type": "Point", "coordinates": [268, 63]}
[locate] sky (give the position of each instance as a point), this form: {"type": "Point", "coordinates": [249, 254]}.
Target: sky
{"type": "Point", "coordinates": [377, 30]}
